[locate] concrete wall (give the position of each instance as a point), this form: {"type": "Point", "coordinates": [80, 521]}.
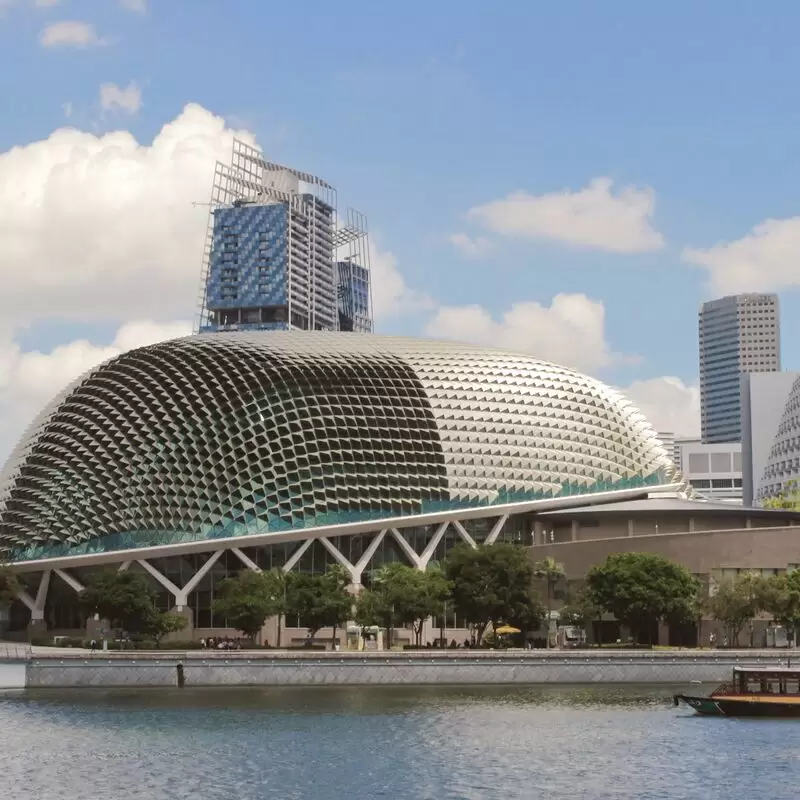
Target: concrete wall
{"type": "Point", "coordinates": [700, 551]}
{"type": "Point", "coordinates": [612, 526]}
{"type": "Point", "coordinates": [12, 674]}
{"type": "Point", "coordinates": [520, 667]}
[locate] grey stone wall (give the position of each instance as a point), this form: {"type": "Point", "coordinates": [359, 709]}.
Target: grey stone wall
{"type": "Point", "coordinates": [395, 669]}
{"type": "Point", "coordinates": [12, 674]}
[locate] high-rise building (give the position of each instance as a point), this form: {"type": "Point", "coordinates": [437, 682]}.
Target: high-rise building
{"type": "Point", "coordinates": [353, 296]}
{"type": "Point", "coordinates": [739, 334]}
{"type": "Point", "coordinates": [667, 439]}
{"type": "Point", "coordinates": [273, 251]}
{"type": "Point", "coordinates": [764, 398]}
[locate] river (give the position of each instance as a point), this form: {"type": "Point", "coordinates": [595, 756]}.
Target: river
{"type": "Point", "coordinates": [348, 744]}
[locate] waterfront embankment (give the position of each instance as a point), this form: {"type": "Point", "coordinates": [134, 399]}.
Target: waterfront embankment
{"type": "Point", "coordinates": [80, 668]}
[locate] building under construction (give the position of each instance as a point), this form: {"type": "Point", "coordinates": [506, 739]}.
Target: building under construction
{"type": "Point", "coordinates": [278, 255]}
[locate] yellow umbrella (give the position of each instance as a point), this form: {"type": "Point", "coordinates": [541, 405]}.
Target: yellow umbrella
{"type": "Point", "coordinates": [504, 629]}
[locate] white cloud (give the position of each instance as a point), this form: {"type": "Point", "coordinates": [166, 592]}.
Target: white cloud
{"type": "Point", "coordinates": [571, 331]}
{"type": "Point", "coordinates": [593, 217]}
{"type": "Point", "coordinates": [29, 380]}
{"type": "Point", "coordinates": [102, 227]}
{"type": "Point", "coordinates": [70, 34]}
{"type": "Point", "coordinates": [128, 99]}
{"type": "Point", "coordinates": [766, 259]}
{"type": "Point", "coordinates": [470, 246]}
{"type": "Point", "coordinates": [670, 405]}
{"type": "Point", "coordinates": [137, 6]}
{"type": "Point", "coordinates": [391, 296]}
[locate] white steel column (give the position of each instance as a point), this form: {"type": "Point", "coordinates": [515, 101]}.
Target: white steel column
{"type": "Point", "coordinates": [297, 555]}
{"type": "Point", "coordinates": [409, 551]}
{"type": "Point", "coordinates": [363, 562]}
{"type": "Point", "coordinates": [428, 552]}
{"type": "Point", "coordinates": [164, 581]}
{"type": "Point", "coordinates": [462, 532]}
{"type": "Point", "coordinates": [183, 596]}
{"type": "Point", "coordinates": [495, 532]}
{"type": "Point", "coordinates": [245, 559]}
{"type": "Point", "coordinates": [29, 602]}
{"type": "Point", "coordinates": [334, 551]}
{"type": "Point", "coordinates": [37, 613]}
{"type": "Point", "coordinates": [74, 584]}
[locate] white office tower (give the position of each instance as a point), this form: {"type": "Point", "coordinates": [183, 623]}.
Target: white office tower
{"type": "Point", "coordinates": [739, 334]}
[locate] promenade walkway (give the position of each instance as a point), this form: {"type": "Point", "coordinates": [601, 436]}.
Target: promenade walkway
{"type": "Point", "coordinates": [14, 651]}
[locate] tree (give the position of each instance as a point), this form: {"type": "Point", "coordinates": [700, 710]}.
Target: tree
{"type": "Point", "coordinates": [9, 585]}
{"type": "Point", "coordinates": [372, 608]}
{"type": "Point", "coordinates": [247, 600]}
{"type": "Point", "coordinates": [434, 593]}
{"type": "Point", "coordinates": [321, 601]}
{"type": "Point", "coordinates": [781, 599]}
{"type": "Point", "coordinates": [579, 610]}
{"type": "Point", "coordinates": [396, 597]}
{"type": "Point", "coordinates": [550, 571]}
{"type": "Point", "coordinates": [787, 499]}
{"type": "Point", "coordinates": [641, 589]}
{"type": "Point", "coordinates": [737, 602]}
{"type": "Point", "coordinates": [164, 623]}
{"type": "Point", "coordinates": [123, 598]}
{"type": "Point", "coordinates": [493, 584]}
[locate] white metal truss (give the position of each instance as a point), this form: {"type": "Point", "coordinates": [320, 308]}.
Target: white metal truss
{"type": "Point", "coordinates": [180, 594]}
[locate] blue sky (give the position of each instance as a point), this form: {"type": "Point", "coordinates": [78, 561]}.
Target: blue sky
{"type": "Point", "coordinates": [419, 112]}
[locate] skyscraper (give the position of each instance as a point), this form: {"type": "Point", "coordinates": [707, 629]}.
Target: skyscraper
{"type": "Point", "coordinates": [739, 334]}
{"type": "Point", "coordinates": [353, 296]}
{"type": "Point", "coordinates": [273, 250]}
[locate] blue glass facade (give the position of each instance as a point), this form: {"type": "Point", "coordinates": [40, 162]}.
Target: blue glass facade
{"type": "Point", "coordinates": [352, 294]}
{"type": "Point", "coordinates": [247, 286]}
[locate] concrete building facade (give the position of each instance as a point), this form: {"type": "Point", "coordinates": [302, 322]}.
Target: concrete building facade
{"type": "Point", "coordinates": [714, 541]}
{"type": "Point", "coordinates": [764, 396]}
{"type": "Point", "coordinates": [714, 471]}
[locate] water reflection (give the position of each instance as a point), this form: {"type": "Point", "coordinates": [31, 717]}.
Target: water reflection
{"type": "Point", "coordinates": [499, 742]}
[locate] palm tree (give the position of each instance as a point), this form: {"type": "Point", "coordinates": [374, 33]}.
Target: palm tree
{"type": "Point", "coordinates": [552, 572]}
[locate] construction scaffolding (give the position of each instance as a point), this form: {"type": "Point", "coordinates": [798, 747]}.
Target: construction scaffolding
{"type": "Point", "coordinates": [316, 237]}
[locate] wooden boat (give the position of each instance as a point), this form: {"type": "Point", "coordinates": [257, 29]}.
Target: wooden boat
{"type": "Point", "coordinates": [753, 692]}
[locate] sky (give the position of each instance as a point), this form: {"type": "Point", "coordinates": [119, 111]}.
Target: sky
{"type": "Point", "coordinates": [567, 179]}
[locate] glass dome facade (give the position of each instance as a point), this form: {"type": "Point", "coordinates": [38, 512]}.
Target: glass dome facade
{"type": "Point", "coordinates": [232, 434]}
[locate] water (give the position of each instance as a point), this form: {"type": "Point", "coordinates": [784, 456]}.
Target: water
{"type": "Point", "coordinates": [481, 744]}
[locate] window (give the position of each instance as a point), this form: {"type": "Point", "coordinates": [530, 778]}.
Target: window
{"type": "Point", "coordinates": [698, 462]}
{"type": "Point", "coordinates": [720, 462]}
